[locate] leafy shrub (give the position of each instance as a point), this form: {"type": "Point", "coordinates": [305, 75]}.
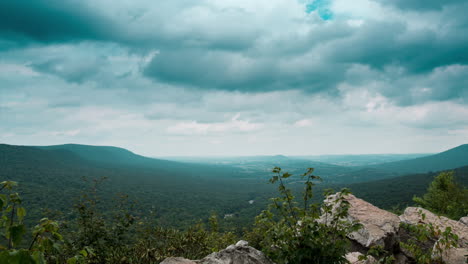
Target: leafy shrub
{"type": "Point", "coordinates": [45, 243]}
{"type": "Point", "coordinates": [291, 233]}
{"type": "Point", "coordinates": [193, 243]}
{"type": "Point", "coordinates": [124, 238]}
{"type": "Point", "coordinates": [444, 196]}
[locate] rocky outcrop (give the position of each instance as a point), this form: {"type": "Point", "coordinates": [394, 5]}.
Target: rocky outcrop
{"type": "Point", "coordinates": [382, 228]}
{"type": "Point", "coordinates": [414, 215]}
{"type": "Point", "coordinates": [240, 253]}
{"type": "Point", "coordinates": [379, 227]}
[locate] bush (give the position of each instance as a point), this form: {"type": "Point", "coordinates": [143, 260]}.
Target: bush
{"type": "Point", "coordinates": [444, 196]}
{"type": "Point", "coordinates": [45, 243]}
{"type": "Point", "coordinates": [289, 233]}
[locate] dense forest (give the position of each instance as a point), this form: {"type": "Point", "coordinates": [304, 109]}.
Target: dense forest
{"type": "Point", "coordinates": [112, 192]}
{"type": "Point", "coordinates": [179, 193]}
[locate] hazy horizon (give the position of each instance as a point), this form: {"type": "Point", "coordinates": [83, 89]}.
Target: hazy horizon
{"type": "Point", "coordinates": [236, 78]}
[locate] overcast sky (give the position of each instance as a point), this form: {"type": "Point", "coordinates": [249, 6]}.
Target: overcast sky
{"type": "Point", "coordinates": [236, 77]}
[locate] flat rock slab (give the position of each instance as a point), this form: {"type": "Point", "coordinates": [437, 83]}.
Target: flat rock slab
{"type": "Point", "coordinates": [379, 226]}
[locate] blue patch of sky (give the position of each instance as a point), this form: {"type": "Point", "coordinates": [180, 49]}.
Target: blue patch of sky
{"type": "Point", "coordinates": [321, 7]}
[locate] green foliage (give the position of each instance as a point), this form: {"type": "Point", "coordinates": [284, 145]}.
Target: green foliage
{"type": "Point", "coordinates": [381, 255]}
{"type": "Point", "coordinates": [46, 240]}
{"type": "Point", "coordinates": [293, 232]}
{"type": "Point", "coordinates": [94, 238]}
{"type": "Point", "coordinates": [444, 196]}
{"type": "Point", "coordinates": [158, 243]}
{"type": "Point", "coordinates": [421, 239]}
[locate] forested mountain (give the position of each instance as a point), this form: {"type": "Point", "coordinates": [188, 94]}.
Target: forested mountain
{"type": "Point", "coordinates": [452, 158]}
{"type": "Point", "coordinates": [362, 159]}
{"type": "Point", "coordinates": [179, 193]}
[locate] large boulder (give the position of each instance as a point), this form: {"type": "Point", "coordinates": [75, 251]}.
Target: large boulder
{"type": "Point", "coordinates": [414, 215]}
{"type": "Point", "coordinates": [379, 227]}
{"type": "Point", "coordinates": [417, 215]}
{"type": "Point", "coordinates": [240, 253]}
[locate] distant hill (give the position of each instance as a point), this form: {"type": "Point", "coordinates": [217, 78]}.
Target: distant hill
{"type": "Point", "coordinates": [362, 159]}
{"type": "Point", "coordinates": [179, 193]}
{"type": "Point", "coordinates": [261, 166]}
{"type": "Point", "coordinates": [112, 155]}
{"type": "Point", "coordinates": [450, 159]}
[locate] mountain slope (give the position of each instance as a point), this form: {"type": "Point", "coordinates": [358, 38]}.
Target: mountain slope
{"type": "Point", "coordinates": [400, 190]}
{"type": "Point", "coordinates": [452, 158]}
{"type": "Point", "coordinates": [178, 193]}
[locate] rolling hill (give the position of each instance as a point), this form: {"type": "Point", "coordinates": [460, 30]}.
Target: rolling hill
{"type": "Point", "coordinates": [450, 159]}
{"type": "Point", "coordinates": [179, 193]}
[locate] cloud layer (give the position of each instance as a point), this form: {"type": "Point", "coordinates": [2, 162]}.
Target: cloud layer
{"type": "Point", "coordinates": [170, 77]}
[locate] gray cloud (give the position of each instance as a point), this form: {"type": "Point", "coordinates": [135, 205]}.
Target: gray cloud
{"type": "Point", "coordinates": [50, 21]}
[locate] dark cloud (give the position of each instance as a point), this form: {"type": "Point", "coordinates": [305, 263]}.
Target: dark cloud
{"type": "Point", "coordinates": [237, 71]}
{"type": "Point", "coordinates": [211, 69]}
{"type": "Point", "coordinates": [52, 21]}
{"type": "Point", "coordinates": [382, 44]}
{"type": "Point", "coordinates": [420, 5]}
{"type": "Point", "coordinates": [205, 47]}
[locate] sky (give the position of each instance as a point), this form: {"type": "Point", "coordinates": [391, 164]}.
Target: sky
{"type": "Point", "coordinates": [236, 77]}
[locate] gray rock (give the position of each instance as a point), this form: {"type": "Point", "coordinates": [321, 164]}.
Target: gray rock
{"type": "Point", "coordinates": [353, 258]}
{"type": "Point", "coordinates": [455, 256]}
{"type": "Point", "coordinates": [240, 253]}
{"type": "Point", "coordinates": [379, 226]}
{"type": "Point", "coordinates": [412, 215]}
{"type": "Point", "coordinates": [464, 220]}
{"type": "Point", "coordinates": [177, 260]}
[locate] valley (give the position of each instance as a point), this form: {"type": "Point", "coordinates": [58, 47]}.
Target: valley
{"type": "Point", "coordinates": [182, 191]}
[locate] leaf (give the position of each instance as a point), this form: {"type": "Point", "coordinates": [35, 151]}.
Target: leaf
{"type": "Point", "coordinates": [38, 257]}
{"type": "Point", "coordinates": [3, 201]}
{"type": "Point", "coordinates": [16, 233]}
{"type": "Point", "coordinates": [21, 212]}
{"type": "Point", "coordinates": [71, 260]}
{"type": "Point", "coordinates": [16, 257]}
